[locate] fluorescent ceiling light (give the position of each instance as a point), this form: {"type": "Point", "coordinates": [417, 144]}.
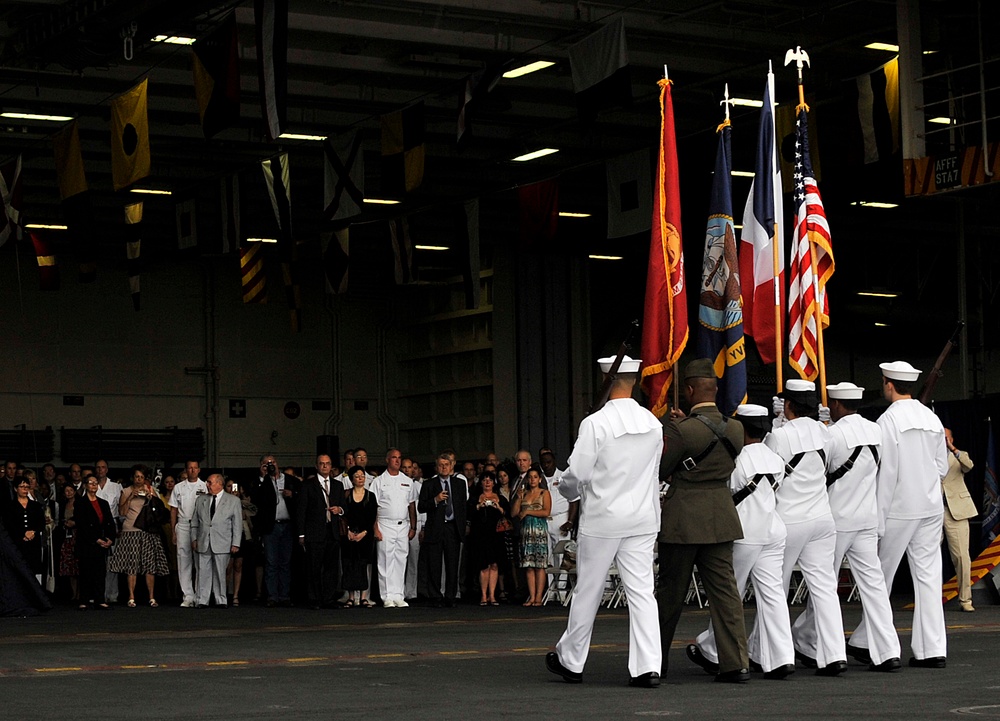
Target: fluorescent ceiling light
{"type": "Point", "coordinates": [747, 102]}
{"type": "Point", "coordinates": [875, 204]}
{"type": "Point", "coordinates": [567, 214]}
{"type": "Point", "coordinates": [883, 46]}
{"type": "Point", "coordinates": [37, 116]}
{"type": "Point", "coordinates": [262, 240]}
{"type": "Point", "coordinates": [45, 226]}
{"type": "Point", "coordinates": [529, 68]}
{"type": "Point", "coordinates": [605, 257]}
{"type": "Point", "coordinates": [881, 325]}
{"type": "Point", "coordinates": [431, 247]}
{"type": "Point", "coordinates": [741, 173]}
{"type": "Point", "coordinates": [877, 294]}
{"type": "Point", "coordinates": [536, 154]}
{"type": "Point", "coordinates": [174, 40]}
{"type": "Point", "coordinates": [738, 227]}
{"type": "Point", "coordinates": [151, 191]}
{"type": "Point", "coordinates": [381, 201]}
{"type": "Point", "coordinates": [300, 136]}
{"type": "Point", "coordinates": [942, 120]}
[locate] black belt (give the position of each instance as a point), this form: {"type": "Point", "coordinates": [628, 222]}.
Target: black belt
{"type": "Point", "coordinates": [836, 475]}
{"type": "Point", "coordinates": [790, 466]}
{"type": "Point", "coordinates": [751, 486]}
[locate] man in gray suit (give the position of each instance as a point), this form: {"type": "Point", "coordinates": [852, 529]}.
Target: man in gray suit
{"type": "Point", "coordinates": [216, 530]}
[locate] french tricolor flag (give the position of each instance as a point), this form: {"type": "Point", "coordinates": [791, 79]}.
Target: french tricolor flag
{"type": "Point", "coordinates": [761, 253]}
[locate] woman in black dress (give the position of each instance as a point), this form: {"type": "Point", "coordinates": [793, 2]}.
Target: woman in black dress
{"type": "Point", "coordinates": [95, 532]}
{"type": "Point", "coordinates": [488, 515]}
{"type": "Point", "coordinates": [360, 508]}
{"type": "Point", "coordinates": [25, 523]}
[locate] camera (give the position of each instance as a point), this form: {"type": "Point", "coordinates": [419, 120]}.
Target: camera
{"type": "Point", "coordinates": [271, 470]}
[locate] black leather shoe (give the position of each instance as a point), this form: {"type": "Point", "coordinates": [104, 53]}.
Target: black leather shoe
{"type": "Point", "coordinates": [776, 674]}
{"type": "Point", "coordinates": [694, 653]}
{"type": "Point", "coordinates": [553, 665]}
{"type": "Point", "coordinates": [806, 661]}
{"type": "Point", "coordinates": [832, 669]}
{"type": "Point", "coordinates": [859, 654]}
{"type": "Point", "coordinates": [646, 680]}
{"type": "Point", "coordinates": [932, 662]}
{"type": "Point", "coordinates": [741, 675]}
{"type": "Point", "coordinates": [202, 605]}
{"type": "Point", "coordinates": [755, 667]}
{"type": "Point", "coordinates": [889, 665]}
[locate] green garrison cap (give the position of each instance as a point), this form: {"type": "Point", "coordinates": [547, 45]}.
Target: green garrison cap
{"type": "Point", "coordinates": [700, 368]}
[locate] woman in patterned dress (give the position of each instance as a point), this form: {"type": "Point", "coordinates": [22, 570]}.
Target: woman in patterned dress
{"type": "Point", "coordinates": [140, 546]}
{"type": "Point", "coordinates": [532, 505]}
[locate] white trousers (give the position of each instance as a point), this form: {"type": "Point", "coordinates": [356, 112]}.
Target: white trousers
{"type": "Point", "coordinates": [212, 572]}
{"type": "Point", "coordinates": [861, 549]}
{"type": "Point", "coordinates": [391, 552]}
{"type": "Point", "coordinates": [770, 641]}
{"type": "Point", "coordinates": [920, 540]}
{"type": "Point", "coordinates": [812, 545]}
{"type": "Point", "coordinates": [185, 561]}
{"type": "Point", "coordinates": [634, 557]}
{"type": "Point", "coordinates": [412, 568]}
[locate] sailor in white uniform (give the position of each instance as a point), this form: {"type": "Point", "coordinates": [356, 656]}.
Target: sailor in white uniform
{"type": "Point", "coordinates": [852, 456]}
{"type": "Point", "coordinates": [910, 510]}
{"type": "Point", "coordinates": [759, 555]}
{"type": "Point", "coordinates": [614, 469]}
{"type": "Point", "coordinates": [812, 535]}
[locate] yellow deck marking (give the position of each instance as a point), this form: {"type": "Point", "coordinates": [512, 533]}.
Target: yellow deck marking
{"type": "Point", "coordinates": [227, 663]}
{"type": "Point", "coordinates": [459, 653]}
{"type": "Point", "coordinates": [385, 655]}
{"type": "Point", "coordinates": [56, 670]}
{"type": "Point", "coordinates": [306, 659]}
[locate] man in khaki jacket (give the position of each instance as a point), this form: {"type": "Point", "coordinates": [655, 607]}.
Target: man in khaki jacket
{"type": "Point", "coordinates": [699, 521]}
{"type": "Point", "coordinates": [958, 509]}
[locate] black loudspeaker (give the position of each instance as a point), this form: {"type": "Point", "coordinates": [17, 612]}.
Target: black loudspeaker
{"type": "Point", "coordinates": [330, 445]}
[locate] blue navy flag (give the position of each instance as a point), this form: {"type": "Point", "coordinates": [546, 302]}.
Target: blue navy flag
{"type": "Point", "coordinates": [720, 308]}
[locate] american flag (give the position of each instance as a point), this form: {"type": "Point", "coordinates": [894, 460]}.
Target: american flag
{"type": "Point", "coordinates": [812, 261]}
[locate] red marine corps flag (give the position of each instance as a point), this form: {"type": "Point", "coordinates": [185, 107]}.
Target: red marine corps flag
{"type": "Point", "coordinates": [665, 320]}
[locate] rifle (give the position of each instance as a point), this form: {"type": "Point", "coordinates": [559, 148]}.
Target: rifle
{"type": "Point", "coordinates": [932, 378]}
{"type": "Point", "coordinates": [612, 374]}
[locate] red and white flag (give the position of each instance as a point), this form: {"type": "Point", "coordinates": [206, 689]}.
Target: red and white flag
{"type": "Point", "coordinates": [811, 245]}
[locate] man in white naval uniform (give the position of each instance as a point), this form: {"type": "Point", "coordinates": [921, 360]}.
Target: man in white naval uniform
{"type": "Point", "coordinates": [563, 511]}
{"type": "Point", "coordinates": [614, 469]}
{"type": "Point", "coordinates": [411, 589]}
{"type": "Point", "coordinates": [759, 555]}
{"type": "Point", "coordinates": [910, 511]}
{"type": "Point", "coordinates": [182, 500]}
{"type": "Point", "coordinates": [852, 456]}
{"type": "Point", "coordinates": [811, 542]}
{"type": "Point", "coordinates": [395, 527]}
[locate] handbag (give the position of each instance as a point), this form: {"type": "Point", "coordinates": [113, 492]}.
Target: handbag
{"type": "Point", "coordinates": [503, 525]}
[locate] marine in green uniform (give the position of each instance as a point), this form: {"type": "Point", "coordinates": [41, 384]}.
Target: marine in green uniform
{"type": "Point", "coordinates": [699, 522]}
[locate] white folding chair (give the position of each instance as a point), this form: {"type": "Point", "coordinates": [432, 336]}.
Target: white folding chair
{"type": "Point", "coordinates": [561, 580]}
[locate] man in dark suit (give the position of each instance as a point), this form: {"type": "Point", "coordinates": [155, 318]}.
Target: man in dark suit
{"type": "Point", "coordinates": [317, 520]}
{"type": "Point", "coordinates": [699, 521]}
{"type": "Point", "coordinates": [274, 495]}
{"type": "Point", "coordinates": [444, 501]}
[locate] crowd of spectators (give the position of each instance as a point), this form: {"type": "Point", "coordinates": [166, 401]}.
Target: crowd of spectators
{"type": "Point", "coordinates": [479, 531]}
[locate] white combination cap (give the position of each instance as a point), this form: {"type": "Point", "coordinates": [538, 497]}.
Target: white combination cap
{"type": "Point", "coordinates": [629, 365]}
{"type": "Point", "coordinates": [750, 410]}
{"type": "Point", "coordinates": [899, 371]}
{"type": "Point", "coordinates": [846, 391]}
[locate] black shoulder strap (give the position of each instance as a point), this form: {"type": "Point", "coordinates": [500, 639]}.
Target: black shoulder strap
{"type": "Point", "coordinates": [720, 437]}
{"type": "Point", "coordinates": [790, 466]}
{"type": "Point", "coordinates": [751, 486]}
{"type": "Point", "coordinates": [836, 475]}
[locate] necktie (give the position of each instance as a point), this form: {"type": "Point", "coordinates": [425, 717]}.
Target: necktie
{"type": "Point", "coordinates": [449, 509]}
{"type": "Point", "coordinates": [326, 496]}
{"type": "Point", "coordinates": [212, 512]}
